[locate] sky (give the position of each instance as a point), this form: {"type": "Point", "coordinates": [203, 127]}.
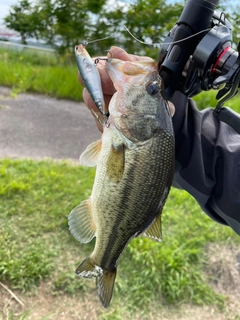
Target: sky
{"type": "Point", "coordinates": [4, 8]}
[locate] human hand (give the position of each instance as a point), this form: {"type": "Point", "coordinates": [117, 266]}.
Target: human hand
{"type": "Point", "coordinates": [107, 85]}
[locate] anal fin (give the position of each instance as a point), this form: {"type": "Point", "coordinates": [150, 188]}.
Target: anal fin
{"type": "Point", "coordinates": [86, 269]}
{"type": "Point", "coordinates": [154, 231]}
{"type": "Point", "coordinates": [104, 279]}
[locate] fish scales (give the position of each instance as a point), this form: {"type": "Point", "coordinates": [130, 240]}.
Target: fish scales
{"type": "Point", "coordinates": [143, 171]}
{"type": "Point", "coordinates": [134, 172]}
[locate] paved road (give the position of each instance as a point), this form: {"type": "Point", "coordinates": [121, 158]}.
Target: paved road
{"type": "Point", "coordinates": [36, 126]}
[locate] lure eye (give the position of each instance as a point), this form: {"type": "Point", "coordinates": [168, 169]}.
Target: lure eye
{"type": "Point", "coordinates": [152, 88]}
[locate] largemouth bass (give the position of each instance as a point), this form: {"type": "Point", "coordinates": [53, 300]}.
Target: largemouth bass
{"type": "Point", "coordinates": [134, 159]}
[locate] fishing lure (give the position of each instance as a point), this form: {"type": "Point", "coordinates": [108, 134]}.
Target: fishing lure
{"type": "Point", "coordinates": [90, 76]}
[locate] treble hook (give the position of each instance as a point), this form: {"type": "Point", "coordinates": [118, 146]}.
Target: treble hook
{"type": "Point", "coordinates": [106, 59]}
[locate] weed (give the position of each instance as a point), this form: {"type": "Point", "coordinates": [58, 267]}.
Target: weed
{"type": "Point", "coordinates": [67, 282]}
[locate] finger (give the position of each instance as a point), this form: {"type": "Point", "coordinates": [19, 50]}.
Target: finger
{"type": "Point", "coordinates": [121, 54]}
{"type": "Point", "coordinates": [172, 108]}
{"type": "Point", "coordinates": [91, 105]}
{"type": "Point", "coordinates": [89, 101]}
{"type": "Point", "coordinates": [107, 84]}
{"type": "Point", "coordinates": [80, 79]}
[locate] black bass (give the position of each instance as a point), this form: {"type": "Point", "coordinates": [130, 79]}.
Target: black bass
{"type": "Point", "coordinates": [135, 163]}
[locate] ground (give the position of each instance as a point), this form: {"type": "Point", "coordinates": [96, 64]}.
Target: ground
{"type": "Point", "coordinates": [224, 261]}
{"type": "Point", "coordinates": [17, 114]}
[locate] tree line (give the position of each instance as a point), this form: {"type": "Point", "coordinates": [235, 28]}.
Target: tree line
{"type": "Point", "coordinates": [65, 23]}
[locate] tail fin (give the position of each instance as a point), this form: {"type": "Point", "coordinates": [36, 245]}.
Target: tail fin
{"type": "Point", "coordinates": [105, 284]}
{"type": "Point", "coordinates": [104, 279]}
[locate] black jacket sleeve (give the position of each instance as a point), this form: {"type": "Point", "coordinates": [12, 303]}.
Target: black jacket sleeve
{"type": "Point", "coordinates": [207, 161]}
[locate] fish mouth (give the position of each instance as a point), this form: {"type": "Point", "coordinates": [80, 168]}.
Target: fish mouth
{"type": "Point", "coordinates": [128, 72]}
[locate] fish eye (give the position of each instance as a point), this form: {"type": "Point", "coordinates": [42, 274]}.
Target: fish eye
{"type": "Point", "coordinates": [152, 88]}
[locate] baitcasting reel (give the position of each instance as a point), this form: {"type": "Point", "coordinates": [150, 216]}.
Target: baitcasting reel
{"type": "Point", "coordinates": [197, 55]}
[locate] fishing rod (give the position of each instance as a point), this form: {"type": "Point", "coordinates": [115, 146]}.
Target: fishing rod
{"type": "Point", "coordinates": [197, 55]}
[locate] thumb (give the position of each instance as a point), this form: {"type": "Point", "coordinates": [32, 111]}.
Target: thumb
{"type": "Point", "coordinates": [121, 54]}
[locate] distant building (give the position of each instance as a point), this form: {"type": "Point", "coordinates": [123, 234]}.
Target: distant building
{"type": "Point", "coordinates": [8, 34]}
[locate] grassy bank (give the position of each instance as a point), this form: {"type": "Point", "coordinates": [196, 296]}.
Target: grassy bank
{"type": "Point", "coordinates": [40, 73]}
{"type": "Point", "coordinates": [57, 77]}
{"type": "Point", "coordinates": [36, 247]}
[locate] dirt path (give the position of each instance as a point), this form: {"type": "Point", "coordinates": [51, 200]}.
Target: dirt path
{"type": "Point", "coordinates": [36, 126]}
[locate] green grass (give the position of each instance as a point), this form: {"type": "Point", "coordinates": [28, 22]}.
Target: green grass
{"type": "Point", "coordinates": [39, 73]}
{"type": "Point", "coordinates": [35, 244]}
{"type": "Point", "coordinates": [35, 199]}
{"type": "Point", "coordinates": [208, 100]}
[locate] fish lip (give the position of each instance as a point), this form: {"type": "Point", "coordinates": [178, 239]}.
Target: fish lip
{"type": "Point", "coordinates": [114, 69]}
{"type": "Point", "coordinates": [124, 73]}
{"type": "Point", "coordinates": [130, 67]}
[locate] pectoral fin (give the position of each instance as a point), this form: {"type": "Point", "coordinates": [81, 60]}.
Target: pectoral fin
{"type": "Point", "coordinates": [81, 224]}
{"type": "Point", "coordinates": [115, 163]}
{"type": "Point", "coordinates": [89, 157]}
{"type": "Point", "coordinates": [154, 232]}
